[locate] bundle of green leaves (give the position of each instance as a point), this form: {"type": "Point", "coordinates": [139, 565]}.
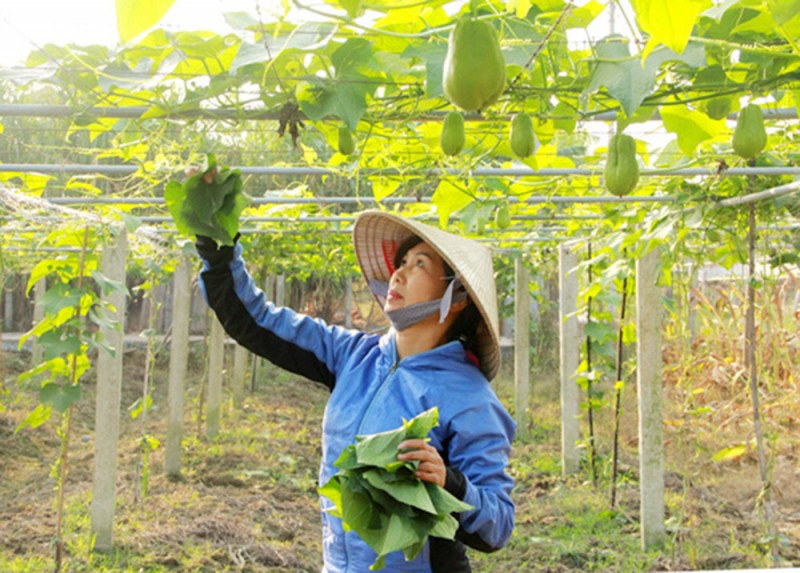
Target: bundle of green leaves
{"type": "Point", "coordinates": [380, 497]}
{"type": "Point", "coordinates": [208, 203]}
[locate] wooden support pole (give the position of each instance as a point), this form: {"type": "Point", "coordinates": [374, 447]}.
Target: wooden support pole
{"type": "Point", "coordinates": [178, 363]}
{"type": "Point", "coordinates": [649, 309]}
{"type": "Point", "coordinates": [109, 395]}
{"type": "Point", "coordinates": [522, 306]}
{"type": "Point", "coordinates": [216, 365]}
{"type": "Point", "coordinates": [570, 353]}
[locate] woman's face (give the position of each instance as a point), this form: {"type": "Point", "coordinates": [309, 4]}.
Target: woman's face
{"type": "Point", "coordinates": [420, 277]}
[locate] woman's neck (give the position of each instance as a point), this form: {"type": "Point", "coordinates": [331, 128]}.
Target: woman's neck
{"type": "Point", "coordinates": [421, 337]}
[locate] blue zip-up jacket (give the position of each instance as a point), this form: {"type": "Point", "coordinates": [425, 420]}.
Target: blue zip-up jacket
{"type": "Point", "coordinates": [371, 391]}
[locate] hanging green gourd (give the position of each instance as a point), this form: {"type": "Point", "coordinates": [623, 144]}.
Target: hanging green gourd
{"type": "Point", "coordinates": [749, 137]}
{"type": "Point", "coordinates": [346, 145]}
{"type": "Point", "coordinates": [502, 217]}
{"type": "Point", "coordinates": [621, 173]}
{"type": "Point", "coordinates": [474, 73]}
{"type": "Point", "coordinates": [452, 138]}
{"type": "Point", "coordinates": [521, 137]}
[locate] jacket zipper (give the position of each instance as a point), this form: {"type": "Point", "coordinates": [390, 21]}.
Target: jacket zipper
{"type": "Point", "coordinates": [392, 370]}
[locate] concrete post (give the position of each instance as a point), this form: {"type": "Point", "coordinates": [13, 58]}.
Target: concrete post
{"type": "Point", "coordinates": [8, 312]}
{"type": "Point", "coordinates": [280, 289]}
{"type": "Point", "coordinates": [240, 357]}
{"type": "Point", "coordinates": [216, 365]}
{"type": "Point", "coordinates": [648, 377]}
{"type": "Point", "coordinates": [570, 353]}
{"type": "Point", "coordinates": [522, 304]}
{"type": "Point", "coordinates": [178, 363]}
{"type": "Point", "coordinates": [348, 303]}
{"type": "Point", "coordinates": [39, 289]}
{"type": "Point", "coordinates": [109, 394]}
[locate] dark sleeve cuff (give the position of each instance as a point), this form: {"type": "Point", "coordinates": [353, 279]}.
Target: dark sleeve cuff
{"type": "Point", "coordinates": [455, 483]}
{"type": "Point", "coordinates": [212, 252]}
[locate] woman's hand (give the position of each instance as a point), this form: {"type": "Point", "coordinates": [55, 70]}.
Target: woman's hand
{"type": "Point", "coordinates": [208, 176]}
{"type": "Point", "coordinates": [431, 465]}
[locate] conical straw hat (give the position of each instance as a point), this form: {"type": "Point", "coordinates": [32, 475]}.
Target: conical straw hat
{"type": "Point", "coordinates": [377, 235]}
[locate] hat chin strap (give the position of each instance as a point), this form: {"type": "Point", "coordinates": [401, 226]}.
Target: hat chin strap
{"type": "Point", "coordinates": [407, 316]}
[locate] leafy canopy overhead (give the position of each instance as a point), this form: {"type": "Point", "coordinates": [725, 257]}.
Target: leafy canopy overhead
{"type": "Point", "coordinates": [375, 68]}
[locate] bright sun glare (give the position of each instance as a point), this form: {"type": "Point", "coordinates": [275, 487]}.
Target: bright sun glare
{"type": "Point", "coordinates": [26, 24]}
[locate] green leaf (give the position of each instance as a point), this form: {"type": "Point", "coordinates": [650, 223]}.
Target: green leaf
{"type": "Point", "coordinates": [58, 396]}
{"type": "Point", "coordinates": [241, 21]}
{"type": "Point", "coordinates": [582, 16]}
{"type": "Point", "coordinates": [412, 551]}
{"type": "Point", "coordinates": [206, 208]}
{"type": "Point", "coordinates": [445, 528]}
{"type": "Point", "coordinates": [420, 426]}
{"type": "Point", "coordinates": [131, 222]}
{"type": "Point", "coordinates": [149, 443]}
{"type": "Point", "coordinates": [669, 23]}
{"type": "Point", "coordinates": [387, 505]}
{"type": "Point", "coordinates": [137, 408]}
{"type": "Point", "coordinates": [715, 78]}
{"type": "Point", "coordinates": [348, 459]}
{"type": "Point", "coordinates": [60, 342]}
{"type": "Point", "coordinates": [358, 511]}
{"type": "Point", "coordinates": [692, 127]}
{"type": "Point", "coordinates": [383, 187]}
{"type": "Point", "coordinates": [730, 453]}
{"type": "Point", "coordinates": [36, 418]}
{"type": "Point", "coordinates": [564, 117]}
{"type": "Point", "coordinates": [47, 267]}
{"type": "Point", "coordinates": [782, 11]}
{"type": "Point", "coordinates": [55, 368]}
{"type": "Point", "coordinates": [333, 491]}
{"type": "Point", "coordinates": [234, 203]}
{"type": "Point", "coordinates": [411, 492]}
{"type": "Point", "coordinates": [444, 501]}
{"type": "Point", "coordinates": [624, 77]}
{"type": "Point", "coordinates": [628, 333]}
{"type": "Point", "coordinates": [399, 534]}
{"type": "Point", "coordinates": [107, 285]}
{"type": "Point", "coordinates": [379, 564]}
{"type": "Point", "coordinates": [599, 331]}
{"type": "Point", "coordinates": [354, 55]}
{"type": "Point", "coordinates": [24, 75]}
{"type": "Point", "coordinates": [433, 54]}
{"type": "Point", "coordinates": [346, 96]}
{"type": "Point", "coordinates": [136, 16]}
{"type": "Point", "coordinates": [343, 100]}
{"type": "Point", "coordinates": [450, 198]}
{"type": "Point", "coordinates": [61, 296]}
{"type": "Point", "coordinates": [381, 449]}
{"type": "Point", "coordinates": [353, 7]}
{"type": "Point", "coordinates": [380, 497]}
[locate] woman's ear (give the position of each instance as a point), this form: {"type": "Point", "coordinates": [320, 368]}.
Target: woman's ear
{"type": "Point", "coordinates": [459, 305]}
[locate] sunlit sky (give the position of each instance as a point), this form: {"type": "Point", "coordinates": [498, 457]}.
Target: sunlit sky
{"type": "Point", "coordinates": [25, 24]}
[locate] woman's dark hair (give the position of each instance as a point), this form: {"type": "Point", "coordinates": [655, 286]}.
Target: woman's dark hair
{"type": "Point", "coordinates": [466, 325]}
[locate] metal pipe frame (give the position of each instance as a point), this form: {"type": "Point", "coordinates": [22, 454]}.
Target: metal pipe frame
{"type": "Point", "coordinates": [125, 170]}
{"type": "Point", "coordinates": [135, 112]}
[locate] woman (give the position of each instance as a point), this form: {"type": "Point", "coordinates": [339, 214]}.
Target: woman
{"type": "Point", "coordinates": [438, 291]}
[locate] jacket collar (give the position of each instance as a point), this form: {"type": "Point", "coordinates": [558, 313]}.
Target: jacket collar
{"type": "Point", "coordinates": [439, 357]}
